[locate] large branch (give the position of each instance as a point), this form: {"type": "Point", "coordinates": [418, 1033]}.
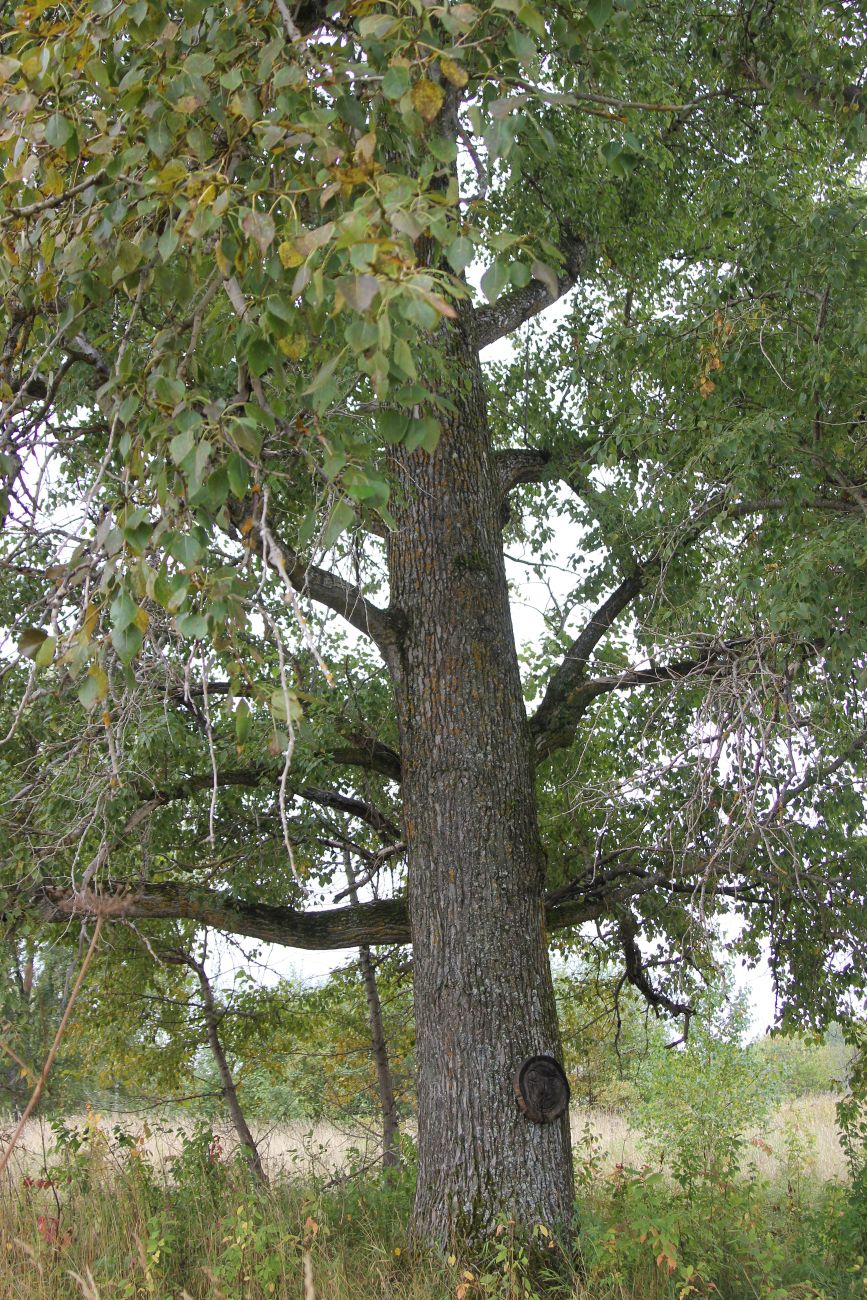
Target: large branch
{"type": "Point", "coordinates": [498, 319]}
{"type": "Point", "coordinates": [385, 921]}
{"type": "Point", "coordinates": [516, 465]}
{"type": "Point", "coordinates": [369, 753]}
{"type": "Point", "coordinates": [553, 724]}
{"type": "Point", "coordinates": [329, 589]}
{"type": "Point", "coordinates": [254, 776]}
{"type": "Point", "coordinates": [569, 691]}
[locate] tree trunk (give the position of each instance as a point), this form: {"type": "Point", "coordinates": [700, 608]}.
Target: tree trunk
{"type": "Point", "coordinates": [230, 1092]}
{"type": "Point", "coordinates": [483, 993]}
{"type": "Point", "coordinates": [379, 1048]}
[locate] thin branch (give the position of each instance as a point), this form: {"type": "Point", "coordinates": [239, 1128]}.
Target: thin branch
{"type": "Point", "coordinates": [55, 201]}
{"type": "Point", "coordinates": [49, 1060]}
{"type": "Point", "coordinates": [255, 776]}
{"type": "Point", "coordinates": [569, 692]}
{"type": "Point", "coordinates": [336, 593]}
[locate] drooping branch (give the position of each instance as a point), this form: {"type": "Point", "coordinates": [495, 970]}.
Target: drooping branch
{"type": "Point", "coordinates": [636, 973]}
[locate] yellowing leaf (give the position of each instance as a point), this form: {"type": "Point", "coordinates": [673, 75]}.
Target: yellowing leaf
{"type": "Point", "coordinates": [288, 254]}
{"type": "Point", "coordinates": [453, 71]}
{"type": "Point", "coordinates": [427, 98]}
{"type": "Point", "coordinates": [365, 148]}
{"type": "Point", "coordinates": [293, 346]}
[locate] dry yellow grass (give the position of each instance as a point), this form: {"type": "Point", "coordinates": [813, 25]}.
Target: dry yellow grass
{"type": "Point", "coordinates": [806, 1127]}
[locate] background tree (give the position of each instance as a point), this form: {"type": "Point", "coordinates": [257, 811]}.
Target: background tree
{"type": "Point", "coordinates": [239, 334]}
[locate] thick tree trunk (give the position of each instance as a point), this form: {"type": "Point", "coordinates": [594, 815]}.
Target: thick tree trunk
{"type": "Point", "coordinates": [483, 993]}
{"type": "Point", "coordinates": [378, 1045]}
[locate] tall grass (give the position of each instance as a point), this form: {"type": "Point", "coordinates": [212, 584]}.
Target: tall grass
{"type": "Point", "coordinates": [99, 1212]}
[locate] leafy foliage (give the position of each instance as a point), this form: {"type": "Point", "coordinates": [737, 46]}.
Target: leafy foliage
{"type": "Point", "coordinates": [237, 242]}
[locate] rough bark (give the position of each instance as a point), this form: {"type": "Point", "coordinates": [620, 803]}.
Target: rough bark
{"type": "Point", "coordinates": [384, 921]}
{"type": "Point", "coordinates": [483, 992]}
{"type": "Point", "coordinates": [378, 1044]}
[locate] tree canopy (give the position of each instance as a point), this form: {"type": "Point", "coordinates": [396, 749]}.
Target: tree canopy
{"type": "Point", "coordinates": [241, 251]}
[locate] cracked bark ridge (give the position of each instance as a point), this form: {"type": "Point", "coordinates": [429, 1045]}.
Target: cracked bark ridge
{"type": "Point", "coordinates": [542, 1090]}
{"type": "Point", "coordinates": [483, 987]}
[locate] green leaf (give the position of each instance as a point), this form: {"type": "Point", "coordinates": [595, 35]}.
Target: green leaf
{"type": "Point", "coordinates": [192, 625]}
{"type": "Point", "coordinates": [495, 280]}
{"type": "Point", "coordinates": [45, 654]}
{"type": "Point", "coordinates": [183, 548]}
{"type": "Point", "coordinates": [123, 611]}
{"type": "Point", "coordinates": [239, 474]}
{"type": "Point", "coordinates": [128, 408]}
{"type": "Point", "coordinates": [375, 26]}
{"type": "Point", "coordinates": [599, 11]}
{"type": "Point", "coordinates": [396, 82]}
{"type": "Point", "coordinates": [393, 426]}
{"type": "Point", "coordinates": [285, 706]}
{"type": "Point", "coordinates": [94, 688]}
{"type": "Point", "coordinates": [424, 433]}
{"type": "Point", "coordinates": [181, 445]}
{"type": "Point", "coordinates": [168, 242]}
{"type": "Point", "coordinates": [403, 358]}
{"type": "Point", "coordinates": [58, 129]}
{"type": "Point", "coordinates": [443, 149]}
{"type": "Point", "coordinates": [340, 519]}
{"type": "Point", "coordinates": [324, 373]}
{"type": "Point", "coordinates": [127, 642]}
{"type": "Point", "coordinates": [531, 18]}
{"type": "Point", "coordinates": [30, 640]}
{"type": "Point", "coordinates": [260, 356]}
{"type": "Point", "coordinates": [460, 253]}
{"type": "Point", "coordinates": [169, 390]}
{"type": "Point", "coordinates": [243, 722]}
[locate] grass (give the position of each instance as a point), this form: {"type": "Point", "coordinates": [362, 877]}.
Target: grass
{"type": "Point", "coordinates": [166, 1213]}
{"type": "Point", "coordinates": [321, 1150]}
